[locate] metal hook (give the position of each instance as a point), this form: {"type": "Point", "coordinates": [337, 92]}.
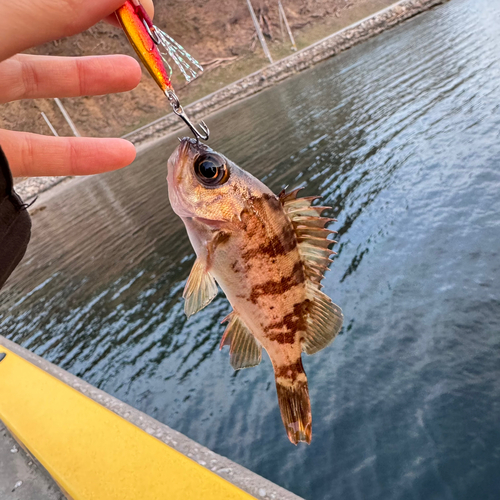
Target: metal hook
{"type": "Point", "coordinates": [152, 34]}
{"type": "Point", "coordinates": [177, 108]}
{"type": "Point", "coordinates": [206, 131]}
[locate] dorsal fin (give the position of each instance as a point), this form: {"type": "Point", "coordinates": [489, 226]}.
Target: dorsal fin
{"type": "Point", "coordinates": [311, 234]}
{"type": "Point", "coordinates": [244, 350]}
{"type": "Point", "coordinates": [200, 289]}
{"type": "Point", "coordinates": [324, 321]}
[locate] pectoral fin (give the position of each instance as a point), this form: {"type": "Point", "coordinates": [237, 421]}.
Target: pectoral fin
{"type": "Point", "coordinates": [244, 350]}
{"type": "Point", "coordinates": [200, 289]}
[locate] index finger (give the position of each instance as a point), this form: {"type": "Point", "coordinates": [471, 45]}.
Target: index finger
{"type": "Point", "coordinates": [38, 155]}
{"type": "Point", "coordinates": [32, 22]}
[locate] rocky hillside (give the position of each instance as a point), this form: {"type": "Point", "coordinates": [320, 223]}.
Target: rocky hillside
{"type": "Point", "coordinates": [219, 33]}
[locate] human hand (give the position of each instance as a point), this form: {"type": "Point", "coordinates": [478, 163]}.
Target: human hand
{"type": "Point", "coordinates": [32, 22]}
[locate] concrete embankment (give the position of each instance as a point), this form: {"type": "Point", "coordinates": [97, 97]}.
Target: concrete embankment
{"type": "Point", "coordinates": [280, 70]}
{"type": "Point", "coordinates": [260, 80]}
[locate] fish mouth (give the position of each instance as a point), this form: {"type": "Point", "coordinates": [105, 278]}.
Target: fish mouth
{"type": "Point", "coordinates": [178, 165]}
{"type": "Point", "coordinates": [186, 151]}
{"type": "Point", "coordinates": [185, 154]}
{"type": "Point", "coordinates": [191, 147]}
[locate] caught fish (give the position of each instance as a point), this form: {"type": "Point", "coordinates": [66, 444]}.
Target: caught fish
{"type": "Point", "coordinates": [268, 253]}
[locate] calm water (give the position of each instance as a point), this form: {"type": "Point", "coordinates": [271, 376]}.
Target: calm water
{"type": "Point", "coordinates": [401, 135]}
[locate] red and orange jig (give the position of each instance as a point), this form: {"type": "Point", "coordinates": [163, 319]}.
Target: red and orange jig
{"type": "Point", "coordinates": [153, 46]}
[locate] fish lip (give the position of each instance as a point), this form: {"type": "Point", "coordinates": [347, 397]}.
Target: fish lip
{"type": "Point", "coordinates": [175, 166]}
{"type": "Point", "coordinates": [179, 161]}
{"type": "Point", "coordinates": [188, 143]}
{"type": "Point", "coordinates": [188, 148]}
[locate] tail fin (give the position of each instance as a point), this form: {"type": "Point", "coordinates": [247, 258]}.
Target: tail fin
{"type": "Point", "coordinates": [293, 398]}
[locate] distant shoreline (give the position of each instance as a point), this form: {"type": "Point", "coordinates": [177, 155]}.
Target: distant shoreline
{"type": "Point", "coordinates": [330, 46]}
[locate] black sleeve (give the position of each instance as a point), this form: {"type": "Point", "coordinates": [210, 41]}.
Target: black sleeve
{"type": "Point", "coordinates": [15, 223]}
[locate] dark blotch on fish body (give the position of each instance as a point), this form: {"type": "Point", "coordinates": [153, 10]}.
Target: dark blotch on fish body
{"type": "Point", "coordinates": [273, 287]}
{"type": "Point", "coordinates": [291, 324]}
{"type": "Point", "coordinates": [290, 371]}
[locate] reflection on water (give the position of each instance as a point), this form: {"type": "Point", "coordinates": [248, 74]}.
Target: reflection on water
{"type": "Point", "coordinates": [401, 135]}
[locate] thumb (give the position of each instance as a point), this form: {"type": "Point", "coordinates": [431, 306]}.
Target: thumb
{"type": "Point", "coordinates": [32, 22]}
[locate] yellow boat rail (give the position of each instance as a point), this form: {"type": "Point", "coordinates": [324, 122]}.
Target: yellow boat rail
{"type": "Point", "coordinates": [91, 452]}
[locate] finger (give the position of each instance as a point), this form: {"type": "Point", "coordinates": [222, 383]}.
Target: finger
{"type": "Point", "coordinates": [32, 22]}
{"type": "Point", "coordinates": [147, 4]}
{"type": "Point", "coordinates": [113, 21]}
{"type": "Point", "coordinates": [26, 76]}
{"type": "Point", "coordinates": [150, 8]}
{"type": "Point", "coordinates": [32, 155]}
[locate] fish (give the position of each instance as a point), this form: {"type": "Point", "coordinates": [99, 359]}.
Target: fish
{"type": "Point", "coordinates": [268, 254]}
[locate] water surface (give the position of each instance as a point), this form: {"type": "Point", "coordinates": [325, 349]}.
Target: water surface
{"type": "Point", "coordinates": [401, 136]}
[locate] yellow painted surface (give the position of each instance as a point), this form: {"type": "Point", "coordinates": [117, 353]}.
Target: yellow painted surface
{"type": "Point", "coordinates": [90, 451]}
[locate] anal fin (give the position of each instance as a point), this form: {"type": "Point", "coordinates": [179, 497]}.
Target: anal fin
{"type": "Point", "coordinates": [200, 289]}
{"type": "Point", "coordinates": [325, 321]}
{"type": "Point", "coordinates": [244, 350]}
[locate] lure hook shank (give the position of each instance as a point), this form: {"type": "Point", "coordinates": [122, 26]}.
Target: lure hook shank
{"type": "Point", "coordinates": [179, 111]}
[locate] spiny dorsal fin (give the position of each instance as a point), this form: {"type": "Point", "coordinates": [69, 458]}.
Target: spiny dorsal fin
{"type": "Point", "coordinates": [292, 195]}
{"type": "Point", "coordinates": [200, 289]}
{"type": "Point", "coordinates": [324, 321]}
{"type": "Point", "coordinates": [244, 350]}
{"type": "Point", "coordinates": [311, 234]}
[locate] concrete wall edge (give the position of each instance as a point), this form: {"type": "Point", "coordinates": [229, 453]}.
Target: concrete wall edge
{"type": "Point", "coordinates": [245, 479]}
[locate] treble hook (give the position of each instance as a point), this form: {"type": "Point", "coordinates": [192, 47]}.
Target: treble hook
{"type": "Point", "coordinates": [179, 111]}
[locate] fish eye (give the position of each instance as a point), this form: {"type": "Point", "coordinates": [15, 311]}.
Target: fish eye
{"type": "Point", "coordinates": [211, 170]}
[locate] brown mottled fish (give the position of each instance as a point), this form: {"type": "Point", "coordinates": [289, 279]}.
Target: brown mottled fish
{"type": "Point", "coordinates": [268, 253]}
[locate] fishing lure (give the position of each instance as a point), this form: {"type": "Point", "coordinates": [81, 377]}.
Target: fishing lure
{"type": "Point", "coordinates": [153, 46]}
